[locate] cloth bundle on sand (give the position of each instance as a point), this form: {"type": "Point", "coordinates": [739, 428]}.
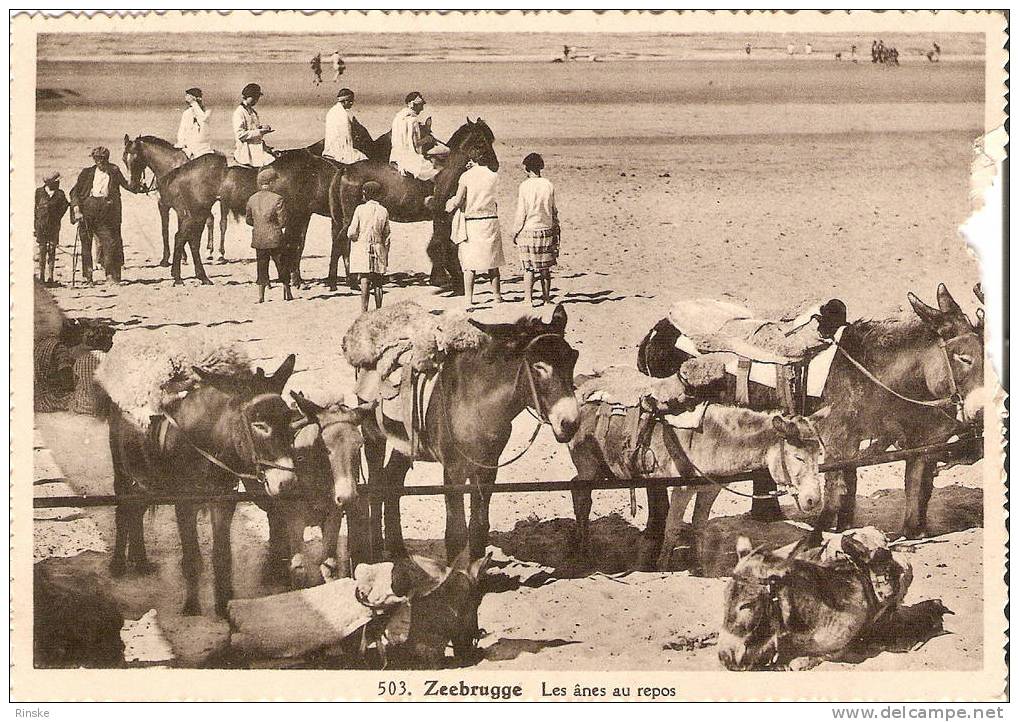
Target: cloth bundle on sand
{"type": "Point", "coordinates": [625, 386]}
{"type": "Point", "coordinates": [407, 334]}
{"type": "Point", "coordinates": [139, 370]}
{"type": "Point", "coordinates": [713, 325]}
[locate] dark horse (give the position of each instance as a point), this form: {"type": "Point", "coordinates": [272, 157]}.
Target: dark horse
{"type": "Point", "coordinates": [467, 423]}
{"type": "Point", "coordinates": [410, 200]}
{"type": "Point", "coordinates": [244, 424]}
{"type": "Point", "coordinates": [160, 156]}
{"type": "Point", "coordinates": [908, 382]}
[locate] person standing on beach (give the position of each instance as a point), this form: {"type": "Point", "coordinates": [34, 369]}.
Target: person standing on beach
{"type": "Point", "coordinates": [476, 228]}
{"type": "Point", "coordinates": [339, 138]}
{"type": "Point", "coordinates": [250, 149]}
{"type": "Point", "coordinates": [338, 66]}
{"type": "Point", "coordinates": [50, 207]}
{"type": "Point", "coordinates": [267, 215]}
{"type": "Point", "coordinates": [409, 140]}
{"type": "Point", "coordinates": [316, 68]}
{"type": "Point", "coordinates": [95, 202]}
{"type": "Point", "coordinates": [369, 244]}
{"type": "Point", "coordinates": [193, 132]}
{"type": "Point", "coordinates": [536, 225]}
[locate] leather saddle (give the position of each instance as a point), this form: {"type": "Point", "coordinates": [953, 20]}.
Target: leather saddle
{"type": "Point", "coordinates": [400, 398]}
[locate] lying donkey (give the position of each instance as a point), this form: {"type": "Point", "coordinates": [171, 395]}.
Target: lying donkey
{"type": "Point", "coordinates": [730, 440]}
{"type": "Point", "coordinates": [779, 609]}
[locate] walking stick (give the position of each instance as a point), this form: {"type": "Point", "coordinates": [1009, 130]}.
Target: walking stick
{"type": "Point", "coordinates": [74, 252]}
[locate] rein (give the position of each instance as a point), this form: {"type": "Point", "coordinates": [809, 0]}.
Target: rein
{"type": "Point", "coordinates": [952, 400]}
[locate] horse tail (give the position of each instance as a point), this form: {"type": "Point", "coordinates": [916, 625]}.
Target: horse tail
{"type": "Point", "coordinates": [657, 354]}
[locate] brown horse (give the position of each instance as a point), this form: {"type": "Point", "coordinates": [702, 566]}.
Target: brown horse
{"type": "Point", "coordinates": [909, 382]}
{"type": "Point", "coordinates": [244, 424]}
{"type": "Point", "coordinates": [410, 200]}
{"type": "Point", "coordinates": [730, 440]}
{"type": "Point", "coordinates": [160, 156]}
{"type": "Point", "coordinates": [467, 423]}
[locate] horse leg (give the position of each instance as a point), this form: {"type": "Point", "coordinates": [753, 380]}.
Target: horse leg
{"type": "Point", "coordinates": [298, 232]}
{"type": "Point", "coordinates": [194, 239]}
{"type": "Point", "coordinates": [396, 472]}
{"type": "Point", "coordinates": [187, 527]}
{"type": "Point", "coordinates": [179, 241]}
{"type": "Point", "coordinates": [222, 518]}
{"type": "Point", "coordinates": [340, 248]}
{"type": "Point", "coordinates": [164, 223]}
{"type": "Point", "coordinates": [651, 540]}
{"type": "Point", "coordinates": [765, 509]}
{"type": "Point", "coordinates": [456, 522]}
{"type": "Point", "coordinates": [223, 215]}
{"type": "Point", "coordinates": [919, 485]}
{"type": "Point", "coordinates": [210, 227]}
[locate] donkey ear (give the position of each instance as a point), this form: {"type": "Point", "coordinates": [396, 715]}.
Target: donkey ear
{"type": "Point", "coordinates": [946, 303]}
{"type": "Point", "coordinates": [279, 379]}
{"type": "Point", "coordinates": [308, 407]}
{"type": "Point", "coordinates": [495, 330]}
{"type": "Point", "coordinates": [821, 414]}
{"type": "Point", "coordinates": [559, 318]}
{"type": "Point", "coordinates": [785, 426]}
{"type": "Point", "coordinates": [478, 567]}
{"type": "Point", "coordinates": [978, 291]}
{"type": "Point", "coordinates": [811, 540]}
{"type": "Point", "coordinates": [201, 373]}
{"type": "Point", "coordinates": [743, 547]}
{"type": "Point", "coordinates": [127, 140]}
{"type": "Point", "coordinates": [463, 560]}
{"type": "Point", "coordinates": [928, 314]}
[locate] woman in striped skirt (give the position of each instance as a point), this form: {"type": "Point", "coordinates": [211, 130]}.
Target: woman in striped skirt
{"type": "Point", "coordinates": [537, 229]}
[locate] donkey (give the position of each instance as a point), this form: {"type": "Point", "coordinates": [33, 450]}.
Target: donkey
{"type": "Point", "coordinates": [467, 423]}
{"type": "Point", "coordinates": [731, 440]}
{"type": "Point", "coordinates": [778, 609]}
{"type": "Point", "coordinates": [225, 429]}
{"type": "Point", "coordinates": [160, 156]}
{"type": "Point", "coordinates": [910, 382]}
{"type": "Point", "coordinates": [327, 457]}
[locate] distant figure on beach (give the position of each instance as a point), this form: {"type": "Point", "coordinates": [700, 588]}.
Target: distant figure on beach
{"type": "Point", "coordinates": [369, 244]}
{"type": "Point", "coordinates": [338, 66]}
{"type": "Point", "coordinates": [339, 140]}
{"type": "Point", "coordinates": [316, 69]}
{"type": "Point", "coordinates": [808, 49]}
{"type": "Point", "coordinates": [95, 206]}
{"type": "Point", "coordinates": [50, 207]}
{"type": "Point", "coordinates": [409, 134]}
{"type": "Point", "coordinates": [267, 216]}
{"type": "Point", "coordinates": [747, 48]}
{"type": "Point", "coordinates": [476, 228]}
{"type": "Point", "coordinates": [536, 229]}
{"type": "Point", "coordinates": [934, 54]}
{"type": "Point", "coordinates": [566, 52]}
{"type": "Point", "coordinates": [250, 149]}
{"type": "Point", "coordinates": [838, 56]}
{"type": "Point", "coordinates": [193, 131]}
{"type": "Point", "coordinates": [790, 48]}
{"type": "Point", "coordinates": [852, 51]}
{"type": "Point", "coordinates": [873, 51]}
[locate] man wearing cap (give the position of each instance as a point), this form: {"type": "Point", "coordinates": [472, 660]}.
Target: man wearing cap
{"type": "Point", "coordinates": [96, 197]}
{"type": "Point", "coordinates": [50, 207]}
{"type": "Point", "coordinates": [339, 143]}
{"type": "Point", "coordinates": [411, 140]}
{"type": "Point", "coordinates": [193, 133]}
{"type": "Point", "coordinates": [249, 133]}
{"type": "Point", "coordinates": [266, 213]}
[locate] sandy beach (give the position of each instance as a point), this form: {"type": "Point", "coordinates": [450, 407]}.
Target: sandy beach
{"type": "Point", "coordinates": [770, 181]}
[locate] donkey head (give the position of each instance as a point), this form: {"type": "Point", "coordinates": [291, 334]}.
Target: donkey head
{"type": "Point", "coordinates": [549, 362]}
{"type": "Point", "coordinates": [793, 461]}
{"type": "Point", "coordinates": [328, 449]}
{"type": "Point", "coordinates": [959, 371]}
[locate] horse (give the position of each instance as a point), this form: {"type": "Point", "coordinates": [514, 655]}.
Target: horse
{"type": "Point", "coordinates": [778, 609]}
{"type": "Point", "coordinates": [467, 423]}
{"type": "Point", "coordinates": [730, 440]}
{"type": "Point", "coordinates": [160, 156]}
{"type": "Point", "coordinates": [410, 200]}
{"type": "Point", "coordinates": [327, 458]}
{"type": "Point", "coordinates": [908, 381]}
{"type": "Point", "coordinates": [225, 429]}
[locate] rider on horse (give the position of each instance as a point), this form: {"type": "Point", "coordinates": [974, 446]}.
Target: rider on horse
{"type": "Point", "coordinates": [339, 140]}
{"type": "Point", "coordinates": [412, 140]}
{"type": "Point", "coordinates": [193, 132]}
{"type": "Point", "coordinates": [250, 149]}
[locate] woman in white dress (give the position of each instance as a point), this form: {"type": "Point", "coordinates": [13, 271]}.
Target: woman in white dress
{"type": "Point", "coordinates": [476, 228]}
{"type": "Point", "coordinates": [369, 244]}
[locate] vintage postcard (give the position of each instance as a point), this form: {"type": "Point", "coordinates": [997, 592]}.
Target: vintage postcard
{"type": "Point", "coordinates": [508, 356]}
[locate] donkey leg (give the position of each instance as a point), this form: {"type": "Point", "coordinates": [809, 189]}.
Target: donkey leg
{"type": "Point", "coordinates": [118, 564]}
{"type": "Point", "coordinates": [164, 224]}
{"type": "Point", "coordinates": [375, 453]}
{"type": "Point", "coordinates": [651, 540]}
{"type": "Point", "coordinates": [136, 541]}
{"type": "Point", "coordinates": [847, 505]}
{"type": "Point", "coordinates": [582, 515]}
{"type": "Point", "coordinates": [358, 546]}
{"type": "Point", "coordinates": [222, 563]}
{"type": "Point", "coordinates": [919, 484]}
{"type": "Point", "coordinates": [295, 539]}
{"type": "Point", "coordinates": [396, 472]}
{"type": "Point", "coordinates": [674, 527]}
{"type": "Point", "coordinates": [279, 548]}
{"type": "Point", "coordinates": [333, 564]}
{"type": "Point", "coordinates": [456, 522]}
{"type": "Point", "coordinates": [478, 531]}
{"type": "Point", "coordinates": [765, 509]}
{"type": "Point", "coordinates": [187, 527]}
